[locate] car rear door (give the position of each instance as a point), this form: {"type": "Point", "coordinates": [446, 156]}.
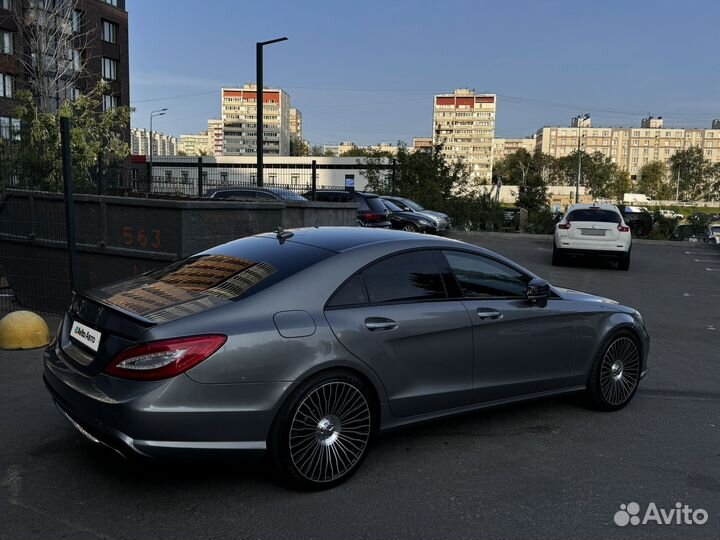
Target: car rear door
{"type": "Point", "coordinates": [520, 347]}
{"type": "Point", "coordinates": [396, 317]}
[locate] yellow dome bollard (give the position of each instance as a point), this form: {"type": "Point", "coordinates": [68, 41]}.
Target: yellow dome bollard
{"type": "Point", "coordinates": [23, 330]}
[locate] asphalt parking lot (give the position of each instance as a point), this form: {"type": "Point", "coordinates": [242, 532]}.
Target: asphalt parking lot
{"type": "Point", "coordinates": [544, 469]}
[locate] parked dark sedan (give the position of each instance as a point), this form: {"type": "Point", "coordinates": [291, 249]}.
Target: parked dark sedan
{"type": "Point", "coordinates": [407, 205]}
{"type": "Point", "coordinates": [410, 221]}
{"type": "Point", "coordinates": [261, 193]}
{"type": "Point", "coordinates": [638, 219]}
{"type": "Point", "coordinates": [305, 343]}
{"type": "Point", "coordinates": [371, 211]}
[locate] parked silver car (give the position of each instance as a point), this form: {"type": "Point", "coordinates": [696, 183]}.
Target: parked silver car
{"type": "Point", "coordinates": [304, 344]}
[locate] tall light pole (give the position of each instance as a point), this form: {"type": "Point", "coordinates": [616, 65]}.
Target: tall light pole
{"type": "Point", "coordinates": [153, 114]}
{"type": "Point", "coordinates": [259, 83]}
{"type": "Point", "coordinates": [578, 119]}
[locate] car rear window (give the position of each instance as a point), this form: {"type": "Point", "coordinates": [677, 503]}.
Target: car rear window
{"type": "Point", "coordinates": [375, 204]}
{"type": "Point", "coordinates": [589, 214]}
{"type": "Point", "coordinates": [208, 280]}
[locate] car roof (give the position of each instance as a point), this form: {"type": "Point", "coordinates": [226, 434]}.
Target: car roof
{"type": "Point", "coordinates": [341, 239]}
{"type": "Point", "coordinates": [600, 206]}
{"type": "Point", "coordinates": [342, 191]}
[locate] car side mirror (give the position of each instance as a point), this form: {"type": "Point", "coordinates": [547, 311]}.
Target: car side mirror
{"type": "Point", "coordinates": [538, 291]}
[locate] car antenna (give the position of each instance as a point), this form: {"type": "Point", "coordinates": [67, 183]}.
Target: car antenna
{"type": "Point", "coordinates": [283, 235]}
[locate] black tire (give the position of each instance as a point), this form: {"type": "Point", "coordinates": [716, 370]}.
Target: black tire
{"type": "Point", "coordinates": [615, 372]}
{"type": "Point", "coordinates": [624, 261]}
{"type": "Point", "coordinates": [558, 258]}
{"type": "Point", "coordinates": [322, 433]}
{"type": "Point", "coordinates": [409, 227]}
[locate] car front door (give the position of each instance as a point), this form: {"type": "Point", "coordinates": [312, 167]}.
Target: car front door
{"type": "Point", "coordinates": [396, 317]}
{"type": "Point", "coordinates": [520, 347]}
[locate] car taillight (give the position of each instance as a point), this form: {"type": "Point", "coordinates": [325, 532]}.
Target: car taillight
{"type": "Point", "coordinates": [623, 228]}
{"type": "Point", "coordinates": [164, 359]}
{"type": "Point", "coordinates": [563, 226]}
{"type": "Point", "coordinates": [370, 216]}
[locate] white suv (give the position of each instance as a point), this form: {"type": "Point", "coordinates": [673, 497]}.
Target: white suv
{"type": "Point", "coordinates": [592, 229]}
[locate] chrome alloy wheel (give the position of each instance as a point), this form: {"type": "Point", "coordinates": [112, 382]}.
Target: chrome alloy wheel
{"type": "Point", "coordinates": [620, 370]}
{"type": "Point", "coordinates": [330, 431]}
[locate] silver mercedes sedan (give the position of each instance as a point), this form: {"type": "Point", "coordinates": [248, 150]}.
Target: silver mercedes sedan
{"type": "Point", "coordinates": [305, 344]}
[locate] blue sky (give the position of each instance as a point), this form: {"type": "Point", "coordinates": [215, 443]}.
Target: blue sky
{"type": "Point", "coordinates": [367, 71]}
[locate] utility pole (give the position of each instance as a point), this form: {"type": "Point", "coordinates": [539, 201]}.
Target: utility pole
{"type": "Point", "coordinates": [579, 120]}
{"type": "Point", "coordinates": [259, 97]}
{"type": "Point", "coordinates": [677, 187]}
{"type": "Point", "coordinates": [153, 114]}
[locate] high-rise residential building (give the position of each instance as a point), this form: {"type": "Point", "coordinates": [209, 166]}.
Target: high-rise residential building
{"type": "Point", "coordinates": [162, 145]}
{"type": "Point", "coordinates": [464, 123]}
{"type": "Point", "coordinates": [296, 124]}
{"type": "Point", "coordinates": [98, 49]}
{"type": "Point", "coordinates": [630, 148]}
{"type": "Point", "coordinates": [215, 137]}
{"type": "Point", "coordinates": [239, 117]}
{"type": "Point", "coordinates": [502, 148]}
{"type": "Point", "coordinates": [195, 145]}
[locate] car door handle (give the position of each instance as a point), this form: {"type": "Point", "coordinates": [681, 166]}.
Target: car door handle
{"type": "Point", "coordinates": [380, 323]}
{"type": "Point", "coordinates": [489, 314]}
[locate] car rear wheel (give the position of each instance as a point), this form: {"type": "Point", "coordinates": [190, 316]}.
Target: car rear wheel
{"type": "Point", "coordinates": [624, 261]}
{"type": "Point", "coordinates": [557, 257]}
{"type": "Point", "coordinates": [322, 433]}
{"type": "Point", "coordinates": [615, 373]}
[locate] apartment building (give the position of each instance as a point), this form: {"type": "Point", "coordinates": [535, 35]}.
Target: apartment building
{"type": "Point", "coordinates": [195, 145]}
{"type": "Point", "coordinates": [422, 144]}
{"type": "Point", "coordinates": [464, 122]}
{"type": "Point", "coordinates": [99, 50]}
{"type": "Point", "coordinates": [162, 145]}
{"type": "Point", "coordinates": [215, 137]}
{"type": "Point", "coordinates": [239, 118]}
{"type": "Point", "coordinates": [630, 148]}
{"type": "Point", "coordinates": [296, 124]}
{"type": "Point", "coordinates": [502, 148]}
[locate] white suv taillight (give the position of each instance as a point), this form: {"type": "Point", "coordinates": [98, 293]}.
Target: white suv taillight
{"type": "Point", "coordinates": [623, 228]}
{"type": "Point", "coordinates": [164, 359]}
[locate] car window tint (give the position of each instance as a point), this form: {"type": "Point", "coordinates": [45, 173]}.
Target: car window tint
{"type": "Point", "coordinates": [602, 216]}
{"type": "Point", "coordinates": [392, 206]}
{"type": "Point", "coordinates": [480, 277]}
{"type": "Point", "coordinates": [225, 194]}
{"type": "Point", "coordinates": [408, 276]}
{"type": "Point", "coordinates": [363, 205]}
{"type": "Point", "coordinates": [352, 293]}
{"type": "Point", "coordinates": [376, 205]}
{"type": "Point", "coordinates": [265, 196]}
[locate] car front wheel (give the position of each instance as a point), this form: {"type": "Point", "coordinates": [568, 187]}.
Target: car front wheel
{"type": "Point", "coordinates": [322, 433]}
{"type": "Point", "coordinates": [409, 227]}
{"type": "Point", "coordinates": [615, 373]}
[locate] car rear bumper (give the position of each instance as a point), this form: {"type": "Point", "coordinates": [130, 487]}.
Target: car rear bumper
{"type": "Point", "coordinates": [376, 224]}
{"type": "Point", "coordinates": [599, 248]}
{"type": "Point", "coordinates": [172, 418]}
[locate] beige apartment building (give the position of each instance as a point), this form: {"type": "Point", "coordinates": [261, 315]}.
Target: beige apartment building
{"type": "Point", "coordinates": [195, 145]}
{"type": "Point", "coordinates": [215, 137]}
{"type": "Point", "coordinates": [464, 122]}
{"type": "Point", "coordinates": [422, 144]}
{"type": "Point", "coordinates": [296, 124]}
{"type": "Point", "coordinates": [502, 148]}
{"type": "Point", "coordinates": [239, 120]}
{"type": "Point", "coordinates": [630, 148]}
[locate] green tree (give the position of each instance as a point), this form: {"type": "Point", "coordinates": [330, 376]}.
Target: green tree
{"type": "Point", "coordinates": [529, 172]}
{"type": "Point", "coordinates": [653, 181]}
{"type": "Point", "coordinates": [298, 147]}
{"type": "Point", "coordinates": [697, 175]}
{"type": "Point", "coordinates": [36, 155]}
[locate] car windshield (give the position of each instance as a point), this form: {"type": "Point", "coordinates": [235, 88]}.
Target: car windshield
{"type": "Point", "coordinates": [412, 204]}
{"type": "Point", "coordinates": [592, 214]}
{"type": "Point", "coordinates": [391, 206]}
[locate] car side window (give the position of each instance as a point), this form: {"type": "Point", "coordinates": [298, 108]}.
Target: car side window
{"type": "Point", "coordinates": [351, 293]}
{"type": "Point", "coordinates": [404, 277]}
{"type": "Point", "coordinates": [481, 277]}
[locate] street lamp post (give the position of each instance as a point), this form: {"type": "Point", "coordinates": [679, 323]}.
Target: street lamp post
{"type": "Point", "coordinates": [259, 94]}
{"type": "Point", "coordinates": [153, 114]}
{"type": "Point", "coordinates": [579, 118]}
